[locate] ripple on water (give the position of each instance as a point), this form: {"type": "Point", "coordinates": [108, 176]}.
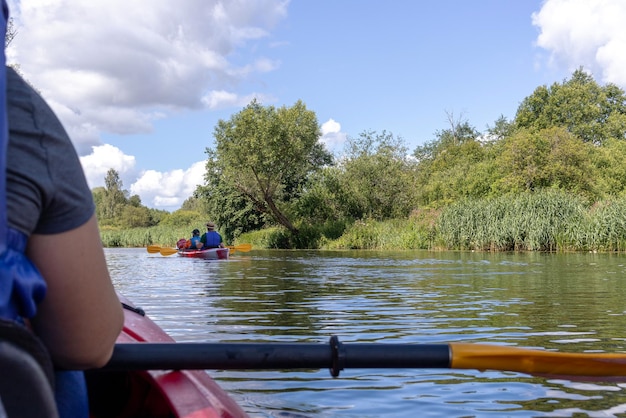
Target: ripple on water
{"type": "Point", "coordinates": [557, 302]}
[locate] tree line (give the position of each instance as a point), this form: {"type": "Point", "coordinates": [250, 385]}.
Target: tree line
{"type": "Point", "coordinates": [269, 170]}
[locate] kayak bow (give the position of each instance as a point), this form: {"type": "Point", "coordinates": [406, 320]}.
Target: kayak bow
{"type": "Point", "coordinates": [164, 393]}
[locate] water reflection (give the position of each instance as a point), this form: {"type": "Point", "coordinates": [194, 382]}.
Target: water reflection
{"type": "Point", "coordinates": [567, 302]}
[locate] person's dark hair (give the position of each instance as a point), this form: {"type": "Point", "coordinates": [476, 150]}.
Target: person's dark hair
{"type": "Point", "coordinates": [195, 232]}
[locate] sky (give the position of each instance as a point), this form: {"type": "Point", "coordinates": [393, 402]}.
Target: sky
{"type": "Point", "coordinates": [141, 84]}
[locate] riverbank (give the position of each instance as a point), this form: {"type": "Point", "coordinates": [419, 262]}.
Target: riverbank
{"type": "Point", "coordinates": [547, 221]}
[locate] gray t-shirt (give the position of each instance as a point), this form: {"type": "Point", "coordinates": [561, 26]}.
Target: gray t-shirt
{"type": "Point", "coordinates": [46, 188]}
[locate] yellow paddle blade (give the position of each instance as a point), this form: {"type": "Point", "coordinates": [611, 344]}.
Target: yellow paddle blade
{"type": "Point", "coordinates": [153, 249]}
{"type": "Point", "coordinates": [168, 251]}
{"type": "Point", "coordinates": [241, 247]}
{"type": "Point", "coordinates": [523, 360]}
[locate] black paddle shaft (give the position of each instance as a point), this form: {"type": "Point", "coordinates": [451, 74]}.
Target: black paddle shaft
{"type": "Point", "coordinates": [276, 356]}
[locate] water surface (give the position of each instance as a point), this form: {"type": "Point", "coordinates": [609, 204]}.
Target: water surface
{"type": "Point", "coordinates": [564, 302]}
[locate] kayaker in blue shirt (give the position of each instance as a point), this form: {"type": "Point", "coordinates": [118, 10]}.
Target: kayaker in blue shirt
{"type": "Point", "coordinates": [53, 273]}
{"type": "Point", "coordinates": [196, 243]}
{"type": "Point", "coordinates": [211, 238]}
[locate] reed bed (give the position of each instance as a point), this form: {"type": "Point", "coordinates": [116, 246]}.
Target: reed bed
{"type": "Point", "coordinates": [165, 236]}
{"type": "Point", "coordinates": [605, 227]}
{"type": "Point", "coordinates": [541, 221]}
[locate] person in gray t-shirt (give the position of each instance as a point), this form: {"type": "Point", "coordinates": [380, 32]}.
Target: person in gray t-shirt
{"type": "Point", "coordinates": [48, 201]}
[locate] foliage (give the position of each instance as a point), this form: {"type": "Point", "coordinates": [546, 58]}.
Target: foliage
{"type": "Point", "coordinates": [111, 199]}
{"type": "Point", "coordinates": [609, 172]}
{"type": "Point", "coordinates": [552, 179]}
{"type": "Point", "coordinates": [266, 154]}
{"type": "Point", "coordinates": [415, 232]}
{"type": "Point", "coordinates": [184, 219]}
{"type": "Point", "coordinates": [194, 204]}
{"type": "Point", "coordinates": [114, 207]}
{"type": "Point", "coordinates": [501, 129]}
{"type": "Point", "coordinates": [323, 198]}
{"type": "Point", "coordinates": [550, 158]}
{"type": "Point", "coordinates": [226, 206]}
{"type": "Point", "coordinates": [374, 179]}
{"type": "Point", "coordinates": [585, 109]}
{"type": "Point", "coordinates": [455, 166]}
{"type": "Point", "coordinates": [310, 236]}
{"type": "Point", "coordinates": [134, 216]}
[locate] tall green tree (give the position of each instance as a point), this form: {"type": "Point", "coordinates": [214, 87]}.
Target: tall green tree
{"type": "Point", "coordinates": [267, 154]}
{"type": "Point", "coordinates": [377, 179]}
{"type": "Point", "coordinates": [587, 110]}
{"type": "Point", "coordinates": [114, 197]}
{"type": "Point", "coordinates": [233, 212]}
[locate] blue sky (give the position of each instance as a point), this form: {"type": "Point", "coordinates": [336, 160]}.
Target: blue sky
{"type": "Point", "coordinates": [140, 86]}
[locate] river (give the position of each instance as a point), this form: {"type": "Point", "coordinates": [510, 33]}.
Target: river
{"type": "Point", "coordinates": [565, 302]}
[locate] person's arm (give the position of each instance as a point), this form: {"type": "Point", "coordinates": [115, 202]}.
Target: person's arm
{"type": "Point", "coordinates": [81, 315]}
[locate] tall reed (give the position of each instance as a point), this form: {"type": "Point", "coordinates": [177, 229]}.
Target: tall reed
{"type": "Point", "coordinates": [605, 227]}
{"type": "Point", "coordinates": [165, 236]}
{"type": "Point", "coordinates": [542, 221]}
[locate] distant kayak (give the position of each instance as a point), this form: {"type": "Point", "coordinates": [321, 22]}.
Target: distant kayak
{"type": "Point", "coordinates": [208, 254]}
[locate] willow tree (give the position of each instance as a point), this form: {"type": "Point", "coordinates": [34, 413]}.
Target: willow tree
{"type": "Point", "coordinates": [267, 154]}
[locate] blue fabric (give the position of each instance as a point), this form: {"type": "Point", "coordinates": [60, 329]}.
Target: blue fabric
{"type": "Point", "coordinates": [194, 240]}
{"type": "Point", "coordinates": [4, 130]}
{"type": "Point", "coordinates": [21, 285]}
{"type": "Point", "coordinates": [212, 239]}
{"type": "Point", "coordinates": [71, 394]}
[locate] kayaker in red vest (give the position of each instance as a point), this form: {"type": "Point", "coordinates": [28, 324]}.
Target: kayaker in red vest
{"type": "Point", "coordinates": [53, 273]}
{"type": "Point", "coordinates": [211, 238]}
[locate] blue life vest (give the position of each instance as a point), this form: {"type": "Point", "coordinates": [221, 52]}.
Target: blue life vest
{"type": "Point", "coordinates": [213, 239]}
{"type": "Point", "coordinates": [21, 284]}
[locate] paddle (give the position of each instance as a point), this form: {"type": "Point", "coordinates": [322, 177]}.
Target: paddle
{"type": "Point", "coordinates": [168, 251]}
{"type": "Point", "coordinates": [244, 248]}
{"type": "Point", "coordinates": [336, 356]}
{"type": "Point", "coordinates": [153, 249]}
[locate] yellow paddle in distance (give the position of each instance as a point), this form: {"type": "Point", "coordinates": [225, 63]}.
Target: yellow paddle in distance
{"type": "Point", "coordinates": [168, 251]}
{"type": "Point", "coordinates": [244, 248]}
{"type": "Point", "coordinates": [154, 249]}
{"type": "Point", "coordinates": [157, 249]}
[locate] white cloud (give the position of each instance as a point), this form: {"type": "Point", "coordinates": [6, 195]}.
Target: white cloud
{"type": "Point", "coordinates": [170, 189]}
{"type": "Point", "coordinates": [332, 137]}
{"type": "Point", "coordinates": [116, 65]}
{"type": "Point", "coordinates": [585, 33]}
{"type": "Point", "coordinates": [103, 158]}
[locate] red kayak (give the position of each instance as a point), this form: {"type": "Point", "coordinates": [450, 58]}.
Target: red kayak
{"type": "Point", "coordinates": [209, 253]}
{"type": "Point", "coordinates": [179, 393]}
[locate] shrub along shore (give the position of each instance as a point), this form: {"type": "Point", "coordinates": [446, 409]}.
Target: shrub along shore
{"type": "Point", "coordinates": [542, 221]}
